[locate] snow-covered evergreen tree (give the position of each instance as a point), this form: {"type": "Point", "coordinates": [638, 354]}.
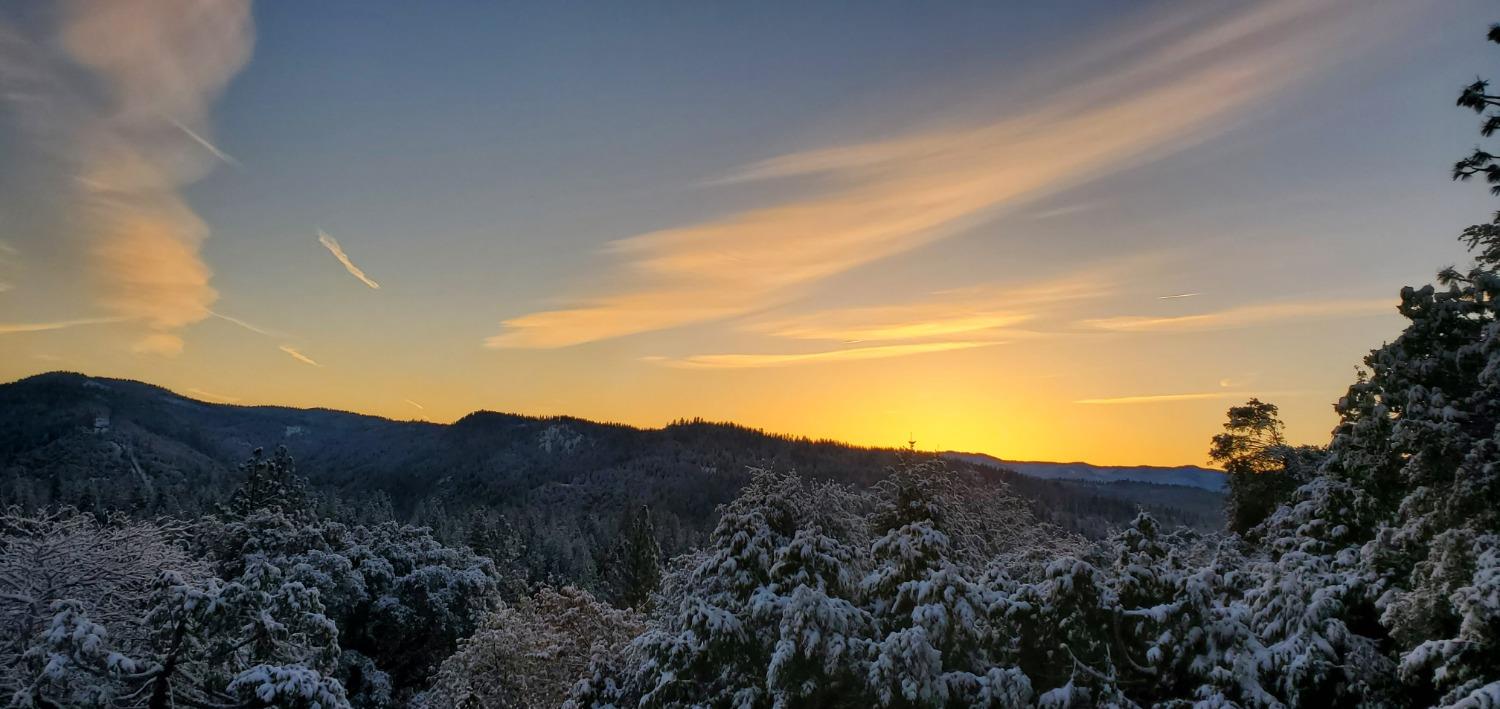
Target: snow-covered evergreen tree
{"type": "Point", "coordinates": [400, 599]}
{"type": "Point", "coordinates": [258, 638]}
{"type": "Point", "coordinates": [631, 568]}
{"type": "Point", "coordinates": [716, 640]}
{"type": "Point", "coordinates": [270, 483]}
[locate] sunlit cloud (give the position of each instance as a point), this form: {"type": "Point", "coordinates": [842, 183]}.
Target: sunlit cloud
{"type": "Point", "coordinates": [1066, 210]}
{"type": "Point", "coordinates": [299, 356]}
{"type": "Point", "coordinates": [891, 323]}
{"type": "Point", "coordinates": [1246, 316]}
{"type": "Point", "coordinates": [982, 308]}
{"type": "Point", "coordinates": [165, 344]}
{"type": "Point", "coordinates": [1172, 398]}
{"type": "Point", "coordinates": [14, 328]}
{"type": "Point", "coordinates": [873, 200]}
{"type": "Point", "coordinates": [757, 361]}
{"type": "Point", "coordinates": [129, 160]}
{"type": "Point", "coordinates": [333, 247]}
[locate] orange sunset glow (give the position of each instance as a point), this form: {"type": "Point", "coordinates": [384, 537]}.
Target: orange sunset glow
{"type": "Point", "coordinates": [1077, 236]}
{"type": "Point", "coordinates": [379, 354]}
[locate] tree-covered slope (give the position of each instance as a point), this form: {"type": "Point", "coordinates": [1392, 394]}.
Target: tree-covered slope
{"type": "Point", "coordinates": [561, 484]}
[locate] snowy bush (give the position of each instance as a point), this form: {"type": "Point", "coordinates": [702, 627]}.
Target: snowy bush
{"type": "Point", "coordinates": [530, 654]}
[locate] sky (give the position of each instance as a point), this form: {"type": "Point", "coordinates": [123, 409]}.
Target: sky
{"type": "Point", "coordinates": [1044, 231]}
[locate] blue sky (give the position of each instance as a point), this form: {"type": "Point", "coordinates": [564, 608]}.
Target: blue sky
{"type": "Point", "coordinates": [848, 220]}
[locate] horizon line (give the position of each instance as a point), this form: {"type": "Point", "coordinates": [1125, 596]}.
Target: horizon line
{"type": "Point", "coordinates": [681, 420]}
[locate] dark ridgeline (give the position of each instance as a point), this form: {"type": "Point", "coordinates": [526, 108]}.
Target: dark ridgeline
{"type": "Point", "coordinates": [555, 487]}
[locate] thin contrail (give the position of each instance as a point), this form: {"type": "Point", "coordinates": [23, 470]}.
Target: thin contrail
{"type": "Point", "coordinates": [226, 157]}
{"type": "Point", "coordinates": [1177, 295]}
{"type": "Point", "coordinates": [246, 325]}
{"type": "Point", "coordinates": [333, 247]}
{"type": "Point", "coordinates": [299, 356]}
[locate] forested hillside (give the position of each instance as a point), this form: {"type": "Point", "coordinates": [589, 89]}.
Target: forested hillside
{"type": "Point", "coordinates": [545, 495]}
{"type": "Point", "coordinates": [160, 552]}
{"type": "Point", "coordinates": [1181, 475]}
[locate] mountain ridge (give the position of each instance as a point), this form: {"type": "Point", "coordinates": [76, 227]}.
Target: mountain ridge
{"type": "Point", "coordinates": [968, 456]}
{"type": "Point", "coordinates": [1176, 475]}
{"type": "Point", "coordinates": [562, 483]}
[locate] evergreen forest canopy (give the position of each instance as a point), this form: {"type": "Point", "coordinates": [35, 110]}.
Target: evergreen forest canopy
{"type": "Point", "coordinates": [1366, 573]}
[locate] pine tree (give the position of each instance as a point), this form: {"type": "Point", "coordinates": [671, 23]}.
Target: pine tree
{"type": "Point", "coordinates": [270, 484]}
{"type": "Point", "coordinates": [1263, 469]}
{"type": "Point", "coordinates": [632, 567]}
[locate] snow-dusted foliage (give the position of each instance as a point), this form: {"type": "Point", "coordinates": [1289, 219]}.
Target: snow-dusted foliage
{"type": "Point", "coordinates": [913, 595]}
{"type": "Point", "coordinates": [101, 570]}
{"type": "Point", "coordinates": [1421, 439]}
{"type": "Point", "coordinates": [812, 595]}
{"type": "Point", "coordinates": [259, 637]}
{"type": "Point", "coordinates": [529, 654]}
{"type": "Point", "coordinates": [1375, 581]}
{"type": "Point", "coordinates": [401, 600]}
{"type": "Point", "coordinates": [721, 611]}
{"type": "Point", "coordinates": [263, 604]}
{"type": "Point", "coordinates": [292, 687]}
{"type": "Point", "coordinates": [1363, 574]}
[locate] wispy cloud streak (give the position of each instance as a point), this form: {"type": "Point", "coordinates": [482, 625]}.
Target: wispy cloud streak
{"type": "Point", "coordinates": [299, 356]}
{"type": "Point", "coordinates": [1245, 316]}
{"type": "Point", "coordinates": [129, 160]}
{"type": "Point", "coordinates": [333, 247]}
{"type": "Point", "coordinates": [873, 200]}
{"type": "Point", "coordinates": [13, 328]}
{"type": "Point", "coordinates": [1065, 211]}
{"type": "Point", "coordinates": [985, 308]}
{"type": "Point", "coordinates": [757, 361]}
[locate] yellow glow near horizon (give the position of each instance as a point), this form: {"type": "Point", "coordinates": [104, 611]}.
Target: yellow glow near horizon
{"type": "Point", "coordinates": [1075, 261]}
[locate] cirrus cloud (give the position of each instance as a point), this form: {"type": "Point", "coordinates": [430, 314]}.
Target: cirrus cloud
{"type": "Point", "coordinates": [759, 361]}
{"type": "Point", "coordinates": [1246, 316]}
{"type": "Point", "coordinates": [132, 138]}
{"type": "Point", "coordinates": [872, 200]}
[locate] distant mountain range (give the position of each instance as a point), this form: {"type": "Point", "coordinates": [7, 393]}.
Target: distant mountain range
{"type": "Point", "coordinates": [561, 483]}
{"type": "Point", "coordinates": [1182, 475]}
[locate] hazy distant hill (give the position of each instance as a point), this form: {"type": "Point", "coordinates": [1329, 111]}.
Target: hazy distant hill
{"type": "Point", "coordinates": [1184, 475]}
{"type": "Point", "coordinates": [561, 483]}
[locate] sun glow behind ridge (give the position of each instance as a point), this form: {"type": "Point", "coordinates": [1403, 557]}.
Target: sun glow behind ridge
{"type": "Point", "coordinates": [1120, 230]}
